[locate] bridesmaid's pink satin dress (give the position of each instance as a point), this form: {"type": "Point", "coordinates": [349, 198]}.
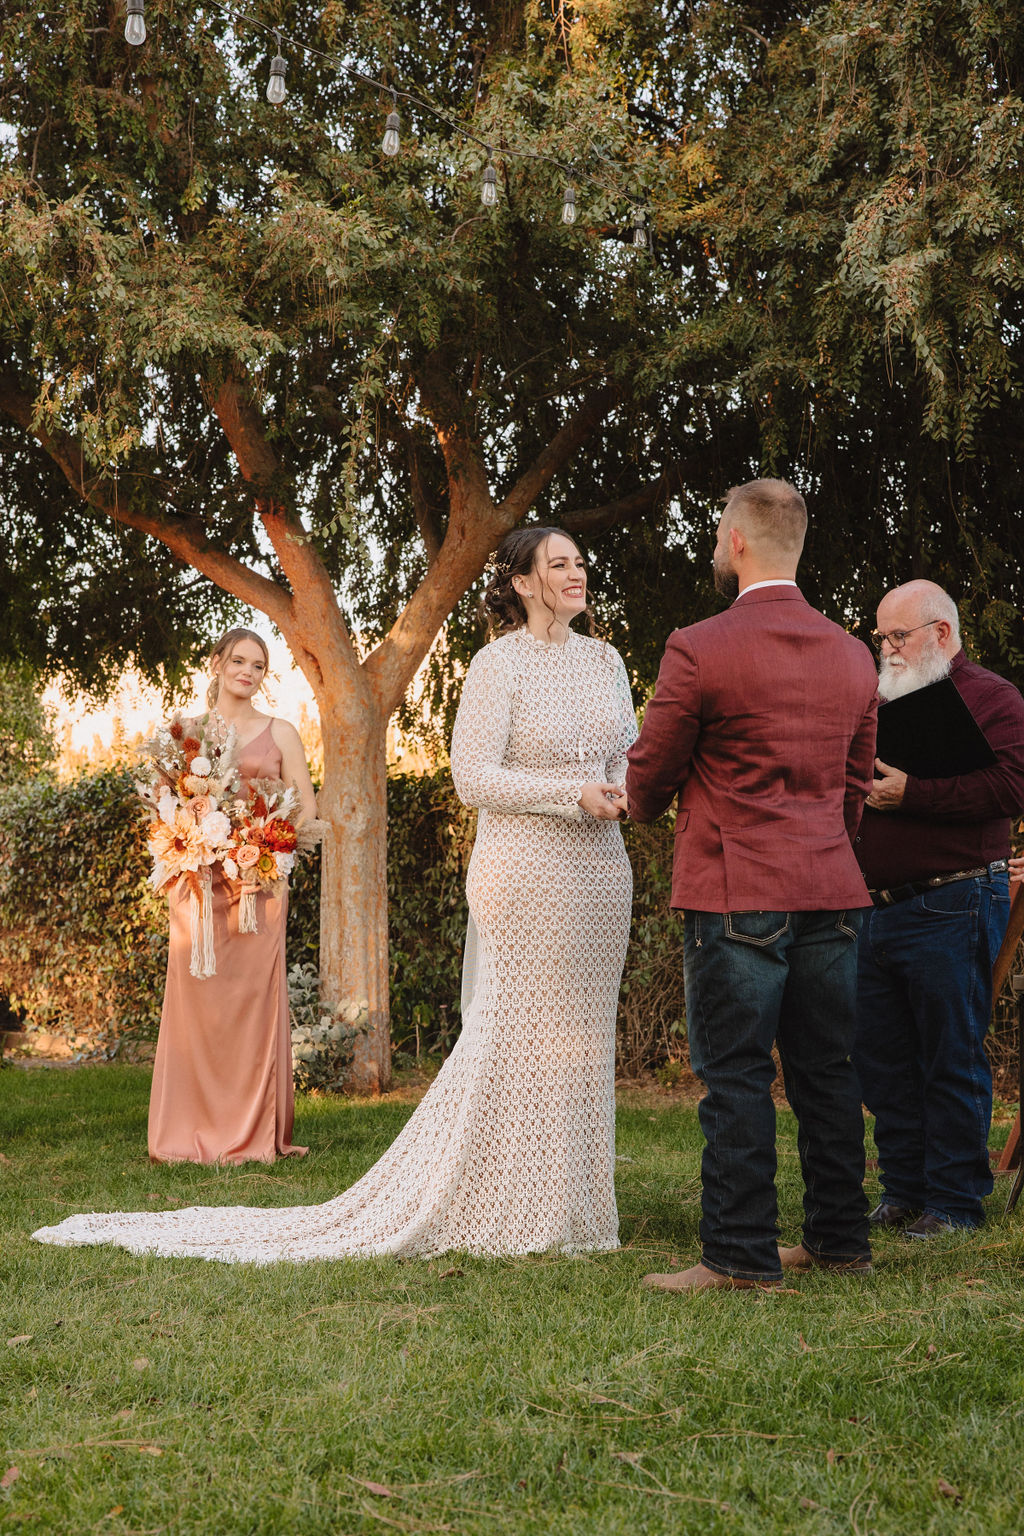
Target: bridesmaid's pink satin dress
{"type": "Point", "coordinates": [222, 1080]}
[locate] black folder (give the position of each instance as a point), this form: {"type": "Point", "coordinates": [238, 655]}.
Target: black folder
{"type": "Point", "coordinates": [931, 734]}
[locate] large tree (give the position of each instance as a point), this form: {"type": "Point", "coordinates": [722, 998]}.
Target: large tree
{"type": "Point", "coordinates": [311, 372]}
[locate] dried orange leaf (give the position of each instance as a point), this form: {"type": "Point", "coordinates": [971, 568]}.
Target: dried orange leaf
{"type": "Point", "coordinates": [10, 1476]}
{"type": "Point", "coordinates": [948, 1491]}
{"type": "Point", "coordinates": [805, 1347]}
{"type": "Point", "coordinates": [633, 1457]}
{"type": "Point", "coordinates": [140, 1363]}
{"type": "Point", "coordinates": [151, 1450]}
{"type": "Point", "coordinates": [20, 1338]}
{"type": "Point", "coordinates": [377, 1488]}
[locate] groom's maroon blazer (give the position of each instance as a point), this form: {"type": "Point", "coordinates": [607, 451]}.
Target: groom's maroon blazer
{"type": "Point", "coordinates": [763, 723]}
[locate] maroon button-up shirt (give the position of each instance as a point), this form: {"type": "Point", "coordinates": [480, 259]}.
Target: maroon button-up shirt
{"type": "Point", "coordinates": [961, 823]}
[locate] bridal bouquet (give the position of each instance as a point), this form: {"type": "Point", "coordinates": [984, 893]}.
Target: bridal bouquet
{"type": "Point", "coordinates": [202, 815]}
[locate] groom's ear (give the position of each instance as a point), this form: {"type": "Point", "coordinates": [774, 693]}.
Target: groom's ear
{"type": "Point", "coordinates": [737, 543]}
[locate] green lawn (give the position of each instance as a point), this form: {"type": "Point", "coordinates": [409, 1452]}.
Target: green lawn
{"type": "Point", "coordinates": [465, 1395]}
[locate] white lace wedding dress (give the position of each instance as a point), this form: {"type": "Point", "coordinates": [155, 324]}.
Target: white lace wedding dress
{"type": "Point", "coordinates": [512, 1148]}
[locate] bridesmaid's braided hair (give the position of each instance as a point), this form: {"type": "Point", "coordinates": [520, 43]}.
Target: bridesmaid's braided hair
{"type": "Point", "coordinates": [516, 555]}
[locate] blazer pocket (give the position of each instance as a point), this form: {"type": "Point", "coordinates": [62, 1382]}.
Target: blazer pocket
{"type": "Point", "coordinates": [682, 817]}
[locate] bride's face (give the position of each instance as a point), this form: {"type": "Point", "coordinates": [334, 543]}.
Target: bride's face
{"type": "Point", "coordinates": [242, 670]}
{"type": "Point", "coordinates": [559, 578]}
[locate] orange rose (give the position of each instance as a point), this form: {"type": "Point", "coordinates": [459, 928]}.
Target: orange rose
{"type": "Point", "coordinates": [200, 806]}
{"type": "Point", "coordinates": [247, 856]}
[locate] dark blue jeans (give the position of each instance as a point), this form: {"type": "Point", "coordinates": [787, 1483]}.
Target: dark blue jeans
{"type": "Point", "coordinates": [754, 979]}
{"type": "Point", "coordinates": [925, 996]}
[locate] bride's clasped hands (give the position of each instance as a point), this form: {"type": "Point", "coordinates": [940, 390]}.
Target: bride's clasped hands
{"type": "Point", "coordinates": [605, 801]}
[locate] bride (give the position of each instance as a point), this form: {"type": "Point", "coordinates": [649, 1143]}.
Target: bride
{"type": "Point", "coordinates": [512, 1148]}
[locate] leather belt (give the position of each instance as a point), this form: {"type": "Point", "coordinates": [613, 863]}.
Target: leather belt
{"type": "Point", "coordinates": [895, 893]}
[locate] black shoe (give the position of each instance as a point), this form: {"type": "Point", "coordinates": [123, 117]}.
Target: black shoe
{"type": "Point", "coordinates": [885, 1215]}
{"type": "Point", "coordinates": [928, 1225]}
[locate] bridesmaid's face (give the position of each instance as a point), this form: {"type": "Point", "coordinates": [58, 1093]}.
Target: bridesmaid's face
{"type": "Point", "coordinates": [561, 572]}
{"type": "Point", "coordinates": [242, 670]}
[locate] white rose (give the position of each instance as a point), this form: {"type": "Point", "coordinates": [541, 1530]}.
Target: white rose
{"type": "Point", "coordinates": [215, 827]}
{"type": "Point", "coordinates": [167, 808]}
{"type": "Point", "coordinates": [201, 766]}
{"type": "Point", "coordinates": [285, 863]}
{"type": "Point", "coordinates": [231, 869]}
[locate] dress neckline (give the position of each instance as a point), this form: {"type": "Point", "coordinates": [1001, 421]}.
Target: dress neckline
{"type": "Point", "coordinates": [253, 740]}
{"type": "Point", "coordinates": [545, 645]}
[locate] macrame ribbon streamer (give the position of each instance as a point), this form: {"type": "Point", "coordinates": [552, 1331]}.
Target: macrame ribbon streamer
{"type": "Point", "coordinates": [204, 961]}
{"type": "Point", "coordinates": [247, 910]}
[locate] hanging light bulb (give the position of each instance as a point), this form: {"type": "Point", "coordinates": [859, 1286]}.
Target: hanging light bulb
{"type": "Point", "coordinates": [489, 190]}
{"type": "Point", "coordinates": [135, 26]}
{"type": "Point", "coordinates": [569, 205]}
{"type": "Point", "coordinates": [276, 88]}
{"type": "Point", "coordinates": [390, 143]}
{"type": "Point", "coordinates": [639, 232]}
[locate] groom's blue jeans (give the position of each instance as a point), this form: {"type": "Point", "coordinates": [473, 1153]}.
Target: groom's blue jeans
{"type": "Point", "coordinates": [753, 980]}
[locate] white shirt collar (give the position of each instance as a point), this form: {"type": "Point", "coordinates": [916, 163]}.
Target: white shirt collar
{"type": "Point", "coordinates": [776, 581]}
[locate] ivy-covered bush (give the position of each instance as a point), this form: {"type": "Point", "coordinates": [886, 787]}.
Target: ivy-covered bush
{"type": "Point", "coordinates": [83, 941]}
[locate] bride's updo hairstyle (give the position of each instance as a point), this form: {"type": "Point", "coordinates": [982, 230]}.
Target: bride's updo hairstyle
{"type": "Point", "coordinates": [516, 555]}
{"type": "Point", "coordinates": [223, 648]}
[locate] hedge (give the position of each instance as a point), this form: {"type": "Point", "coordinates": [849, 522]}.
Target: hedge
{"type": "Point", "coordinates": [83, 941]}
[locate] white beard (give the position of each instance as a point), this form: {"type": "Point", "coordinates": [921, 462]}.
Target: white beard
{"type": "Point", "coordinates": [897, 677]}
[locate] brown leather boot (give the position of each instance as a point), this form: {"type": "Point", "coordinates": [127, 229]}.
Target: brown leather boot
{"type": "Point", "coordinates": [799, 1259]}
{"type": "Point", "coordinates": [700, 1278]}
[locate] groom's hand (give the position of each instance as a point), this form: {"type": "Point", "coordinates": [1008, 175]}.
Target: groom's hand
{"type": "Point", "coordinates": [887, 788]}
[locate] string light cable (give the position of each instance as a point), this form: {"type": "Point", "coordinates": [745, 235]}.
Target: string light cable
{"type": "Point", "coordinates": [135, 34]}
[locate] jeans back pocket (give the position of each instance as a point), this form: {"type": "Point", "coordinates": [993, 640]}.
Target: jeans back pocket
{"type": "Point", "coordinates": [761, 928]}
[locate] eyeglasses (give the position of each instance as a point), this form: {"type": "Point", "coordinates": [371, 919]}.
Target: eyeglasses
{"type": "Point", "coordinates": [897, 638]}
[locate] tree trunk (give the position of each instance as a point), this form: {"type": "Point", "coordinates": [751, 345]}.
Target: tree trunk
{"type": "Point", "coordinates": [353, 903]}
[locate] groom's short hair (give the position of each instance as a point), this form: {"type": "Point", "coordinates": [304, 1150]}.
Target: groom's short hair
{"type": "Point", "coordinates": [770, 512]}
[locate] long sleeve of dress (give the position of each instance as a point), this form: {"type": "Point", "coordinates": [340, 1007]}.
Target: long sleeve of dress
{"type": "Point", "coordinates": [618, 761]}
{"type": "Point", "coordinates": [482, 776]}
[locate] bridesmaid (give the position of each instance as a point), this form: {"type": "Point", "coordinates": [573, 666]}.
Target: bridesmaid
{"type": "Point", "coordinates": [222, 1081]}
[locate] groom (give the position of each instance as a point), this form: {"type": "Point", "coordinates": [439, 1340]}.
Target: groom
{"type": "Point", "coordinates": [763, 724]}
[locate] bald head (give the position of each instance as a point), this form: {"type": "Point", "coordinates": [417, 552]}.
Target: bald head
{"type": "Point", "coordinates": [920, 602]}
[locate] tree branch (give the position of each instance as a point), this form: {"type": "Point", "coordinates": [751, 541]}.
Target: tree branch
{"type": "Point", "coordinates": [627, 509]}
{"type": "Point", "coordinates": [557, 454]}
{"type": "Point", "coordinates": [319, 622]}
{"type": "Point", "coordinates": [179, 535]}
{"type": "Point", "coordinates": [427, 520]}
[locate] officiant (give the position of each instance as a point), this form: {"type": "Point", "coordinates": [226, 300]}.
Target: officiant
{"type": "Point", "coordinates": [934, 847]}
